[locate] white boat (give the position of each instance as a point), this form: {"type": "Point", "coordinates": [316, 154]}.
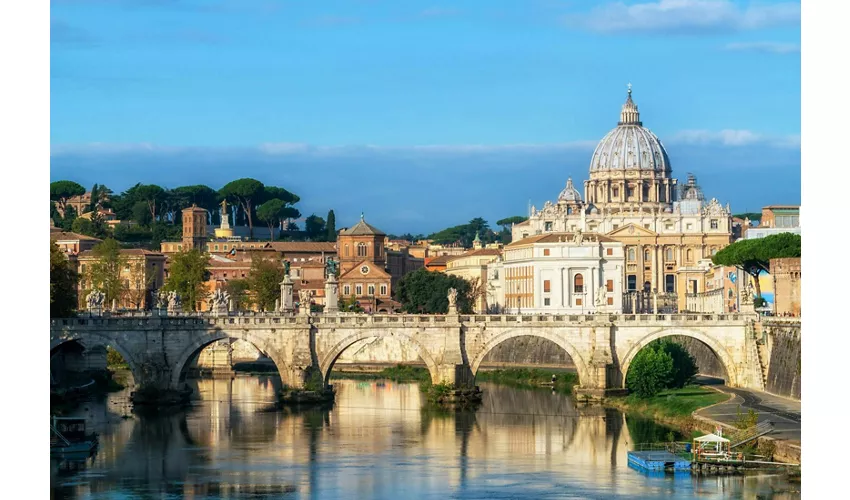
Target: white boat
{"type": "Point", "coordinates": [68, 437]}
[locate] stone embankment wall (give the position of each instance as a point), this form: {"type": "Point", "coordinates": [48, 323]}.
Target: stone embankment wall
{"type": "Point", "coordinates": [707, 361]}
{"type": "Point", "coordinates": [783, 374]}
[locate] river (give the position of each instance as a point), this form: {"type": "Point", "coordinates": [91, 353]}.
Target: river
{"type": "Point", "coordinates": [377, 442]}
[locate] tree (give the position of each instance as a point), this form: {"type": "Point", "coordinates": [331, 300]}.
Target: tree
{"type": "Point", "coordinates": [271, 212]}
{"type": "Point", "coordinates": [141, 213]}
{"type": "Point", "coordinates": [152, 195]}
{"type": "Point", "coordinates": [62, 191]}
{"type": "Point", "coordinates": [426, 292]}
{"type": "Point", "coordinates": [246, 192]}
{"type": "Point", "coordinates": [507, 222]}
{"type": "Point", "coordinates": [281, 194]}
{"type": "Point", "coordinates": [314, 226]}
{"type": "Point", "coordinates": [94, 226]}
{"type": "Point", "coordinates": [349, 304]}
{"type": "Point", "coordinates": [331, 226]}
{"type": "Point", "coordinates": [199, 194]}
{"type": "Point", "coordinates": [753, 256]}
{"type": "Point", "coordinates": [684, 366]}
{"type": "Point", "coordinates": [63, 284]}
{"type": "Point", "coordinates": [95, 198]}
{"type": "Point", "coordinates": [186, 276]}
{"type": "Point", "coordinates": [650, 372]}
{"type": "Point", "coordinates": [264, 282]}
{"type": "Point", "coordinates": [104, 273]}
{"type": "Point", "coordinates": [239, 292]}
{"type": "Point", "coordinates": [140, 280]}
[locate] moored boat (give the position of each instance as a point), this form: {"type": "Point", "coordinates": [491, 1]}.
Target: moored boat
{"type": "Point", "coordinates": [68, 436]}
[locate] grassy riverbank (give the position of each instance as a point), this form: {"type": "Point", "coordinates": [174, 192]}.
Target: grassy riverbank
{"type": "Point", "coordinates": [672, 406]}
{"type": "Point", "coordinates": [398, 373]}
{"type": "Point", "coordinates": [530, 378]}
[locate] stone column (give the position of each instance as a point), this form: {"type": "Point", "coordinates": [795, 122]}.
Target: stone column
{"type": "Point", "coordinates": [286, 303]}
{"type": "Point", "coordinates": [331, 295]}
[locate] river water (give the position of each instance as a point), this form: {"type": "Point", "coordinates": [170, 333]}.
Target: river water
{"type": "Point", "coordinates": [377, 442]}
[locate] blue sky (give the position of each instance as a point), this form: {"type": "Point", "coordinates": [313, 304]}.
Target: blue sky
{"type": "Point", "coordinates": [421, 114]}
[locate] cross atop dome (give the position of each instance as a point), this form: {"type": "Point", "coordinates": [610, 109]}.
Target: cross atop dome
{"type": "Point", "coordinates": [629, 114]}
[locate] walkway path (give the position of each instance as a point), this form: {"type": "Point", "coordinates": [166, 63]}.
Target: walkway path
{"type": "Point", "coordinates": [784, 413]}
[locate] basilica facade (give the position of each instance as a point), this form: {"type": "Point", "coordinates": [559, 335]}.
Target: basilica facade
{"type": "Point", "coordinates": [668, 230]}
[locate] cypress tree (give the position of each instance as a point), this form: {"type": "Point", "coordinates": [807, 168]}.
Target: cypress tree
{"type": "Point", "coordinates": [331, 225]}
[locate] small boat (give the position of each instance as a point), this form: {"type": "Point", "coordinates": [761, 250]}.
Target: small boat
{"type": "Point", "coordinates": [68, 437]}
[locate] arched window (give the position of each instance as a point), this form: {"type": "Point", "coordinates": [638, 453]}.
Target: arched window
{"type": "Point", "coordinates": [371, 289]}
{"type": "Point", "coordinates": [361, 249]}
{"type": "Point", "coordinates": [646, 256]}
{"type": "Point", "coordinates": [631, 254]}
{"type": "Point", "coordinates": [578, 284]}
{"type": "Point", "coordinates": [669, 254]}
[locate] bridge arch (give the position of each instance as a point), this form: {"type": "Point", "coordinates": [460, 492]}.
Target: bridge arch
{"type": "Point", "coordinates": [328, 359]}
{"type": "Point", "coordinates": [90, 340]}
{"type": "Point", "coordinates": [721, 352]}
{"type": "Point", "coordinates": [203, 340]}
{"type": "Point", "coordinates": [559, 340]}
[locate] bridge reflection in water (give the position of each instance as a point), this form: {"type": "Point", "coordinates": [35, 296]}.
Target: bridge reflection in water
{"type": "Point", "coordinates": [377, 442]}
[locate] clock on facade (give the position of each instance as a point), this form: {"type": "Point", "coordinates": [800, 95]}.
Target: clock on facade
{"type": "Point", "coordinates": [364, 270]}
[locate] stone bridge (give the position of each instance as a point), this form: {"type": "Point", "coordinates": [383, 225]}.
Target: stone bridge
{"type": "Point", "coordinates": [158, 348]}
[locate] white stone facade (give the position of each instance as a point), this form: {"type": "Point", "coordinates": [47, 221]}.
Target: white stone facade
{"type": "Point", "coordinates": [558, 274]}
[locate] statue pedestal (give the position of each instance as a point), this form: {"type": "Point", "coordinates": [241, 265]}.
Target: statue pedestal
{"type": "Point", "coordinates": [287, 305]}
{"type": "Point", "coordinates": [96, 311]}
{"type": "Point", "coordinates": [219, 310]}
{"type": "Point", "coordinates": [175, 309]}
{"type": "Point", "coordinates": [331, 295]}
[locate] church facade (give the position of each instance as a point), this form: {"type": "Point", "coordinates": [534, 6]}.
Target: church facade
{"type": "Point", "coordinates": [668, 231]}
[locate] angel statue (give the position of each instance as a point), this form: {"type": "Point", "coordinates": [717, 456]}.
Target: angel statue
{"type": "Point", "coordinates": [601, 296]}
{"type": "Point", "coordinates": [452, 297]}
{"type": "Point", "coordinates": [173, 299]}
{"type": "Point", "coordinates": [162, 299]}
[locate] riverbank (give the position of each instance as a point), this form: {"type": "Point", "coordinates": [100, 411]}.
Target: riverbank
{"type": "Point", "coordinates": [673, 407]}
{"type": "Point", "coordinates": [531, 378]}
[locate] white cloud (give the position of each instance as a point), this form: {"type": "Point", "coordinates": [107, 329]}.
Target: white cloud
{"type": "Point", "coordinates": [772, 47]}
{"type": "Point", "coordinates": [686, 16]}
{"type": "Point", "coordinates": [733, 138]}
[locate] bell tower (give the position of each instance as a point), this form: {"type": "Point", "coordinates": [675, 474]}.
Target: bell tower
{"type": "Point", "coordinates": [194, 228]}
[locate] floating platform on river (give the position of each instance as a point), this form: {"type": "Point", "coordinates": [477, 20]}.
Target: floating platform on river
{"type": "Point", "coordinates": [659, 460]}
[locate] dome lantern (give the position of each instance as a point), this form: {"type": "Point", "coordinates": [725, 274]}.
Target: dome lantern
{"type": "Point", "coordinates": [629, 115]}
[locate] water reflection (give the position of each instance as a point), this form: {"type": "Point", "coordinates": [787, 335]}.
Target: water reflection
{"type": "Point", "coordinates": [377, 442]}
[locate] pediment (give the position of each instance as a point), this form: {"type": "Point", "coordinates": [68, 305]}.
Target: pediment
{"type": "Point", "coordinates": [374, 272]}
{"type": "Point", "coordinates": [631, 230]}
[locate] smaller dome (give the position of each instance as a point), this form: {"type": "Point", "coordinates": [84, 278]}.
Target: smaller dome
{"type": "Point", "coordinates": [570, 193]}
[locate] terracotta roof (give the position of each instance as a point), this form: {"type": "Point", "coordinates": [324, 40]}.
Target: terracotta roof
{"type": "Point", "coordinates": [480, 251]}
{"type": "Point", "coordinates": [362, 228]}
{"type": "Point", "coordinates": [555, 237]}
{"type": "Point", "coordinates": [67, 235]}
{"type": "Point", "coordinates": [126, 251]}
{"type": "Point", "coordinates": [304, 246]}
{"type": "Point", "coordinates": [442, 259]}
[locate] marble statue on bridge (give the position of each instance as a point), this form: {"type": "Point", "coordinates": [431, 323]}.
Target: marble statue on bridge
{"type": "Point", "coordinates": [94, 301]}
{"type": "Point", "coordinates": [162, 300]}
{"type": "Point", "coordinates": [175, 305]}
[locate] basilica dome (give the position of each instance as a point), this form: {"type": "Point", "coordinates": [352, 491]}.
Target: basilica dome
{"type": "Point", "coordinates": [630, 146]}
{"type": "Point", "coordinates": [570, 194]}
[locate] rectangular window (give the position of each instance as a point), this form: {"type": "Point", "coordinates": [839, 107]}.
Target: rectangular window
{"type": "Point", "coordinates": [713, 224]}
{"type": "Point", "coordinates": [616, 192]}
{"type": "Point", "coordinates": [216, 248]}
{"type": "Point", "coordinates": [346, 290]}
{"type": "Point", "coordinates": [371, 289]}
{"type": "Point", "coordinates": [548, 226]}
{"type": "Point", "coordinates": [358, 289]}
{"type": "Point", "coordinates": [646, 226]}
{"type": "Point", "coordinates": [616, 226]}
{"type": "Point", "coordinates": [668, 227]}
{"type": "Point", "coordinates": [609, 251]}
{"type": "Point", "coordinates": [689, 226]}
{"type": "Point", "coordinates": [610, 301]}
{"type": "Point", "coordinates": [670, 283]}
{"type": "Point", "coordinates": [609, 286]}
{"type": "Point", "coordinates": [632, 282]}
{"type": "Point", "coordinates": [546, 252]}
{"type": "Point", "coordinates": [225, 247]}
{"type": "Point", "coordinates": [383, 289]}
{"type": "Point", "coordinates": [578, 302]}
{"type": "Point", "coordinates": [546, 302]}
{"type": "Point", "coordinates": [546, 286]}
